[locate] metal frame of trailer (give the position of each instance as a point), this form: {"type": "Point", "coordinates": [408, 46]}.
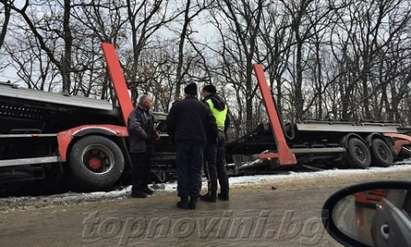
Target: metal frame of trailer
{"type": "Point", "coordinates": [65, 138]}
{"type": "Point", "coordinates": [314, 138]}
{"type": "Point", "coordinates": [16, 93]}
{"type": "Point", "coordinates": [31, 106]}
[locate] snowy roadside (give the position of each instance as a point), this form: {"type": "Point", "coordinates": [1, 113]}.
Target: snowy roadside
{"type": "Point", "coordinates": [239, 182]}
{"type": "Point", "coordinates": [332, 173]}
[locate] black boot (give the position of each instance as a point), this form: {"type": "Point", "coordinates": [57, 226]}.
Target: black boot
{"type": "Point", "coordinates": [209, 197]}
{"type": "Point", "coordinates": [223, 196]}
{"type": "Point", "coordinates": [192, 203]}
{"type": "Point", "coordinates": [138, 194]}
{"type": "Point", "coordinates": [183, 203]}
{"type": "Point", "coordinates": [148, 191]}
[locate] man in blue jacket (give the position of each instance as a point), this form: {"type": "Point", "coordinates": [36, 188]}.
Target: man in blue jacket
{"type": "Point", "coordinates": [189, 124]}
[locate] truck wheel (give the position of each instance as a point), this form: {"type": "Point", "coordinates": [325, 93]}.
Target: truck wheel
{"type": "Point", "coordinates": [405, 152]}
{"type": "Point", "coordinates": [358, 154]}
{"type": "Point", "coordinates": [96, 163]}
{"type": "Point", "coordinates": [381, 153]}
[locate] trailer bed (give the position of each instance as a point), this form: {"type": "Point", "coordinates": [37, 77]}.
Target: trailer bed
{"type": "Point", "coordinates": [333, 126]}
{"type": "Point", "coordinates": [32, 111]}
{"type": "Point", "coordinates": [9, 91]}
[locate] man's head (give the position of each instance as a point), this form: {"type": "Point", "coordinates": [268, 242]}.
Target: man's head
{"type": "Point", "coordinates": [208, 90]}
{"type": "Point", "coordinates": [191, 89]}
{"type": "Point", "coordinates": [145, 102]}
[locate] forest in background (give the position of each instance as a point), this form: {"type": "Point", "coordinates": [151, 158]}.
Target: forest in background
{"type": "Point", "coordinates": [327, 60]}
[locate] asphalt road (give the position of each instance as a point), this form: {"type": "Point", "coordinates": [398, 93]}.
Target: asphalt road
{"type": "Point", "coordinates": [284, 214]}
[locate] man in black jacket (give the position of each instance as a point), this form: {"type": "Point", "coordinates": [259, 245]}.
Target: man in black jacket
{"type": "Point", "coordinates": [215, 150]}
{"type": "Point", "coordinates": [190, 123]}
{"type": "Point", "coordinates": [141, 136]}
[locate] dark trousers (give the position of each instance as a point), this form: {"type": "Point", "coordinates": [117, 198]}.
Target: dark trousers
{"type": "Point", "coordinates": [140, 170]}
{"type": "Point", "coordinates": [189, 162]}
{"type": "Point", "coordinates": [215, 166]}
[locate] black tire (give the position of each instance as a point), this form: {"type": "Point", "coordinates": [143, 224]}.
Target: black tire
{"type": "Point", "coordinates": [405, 152]}
{"type": "Point", "coordinates": [358, 155]}
{"type": "Point", "coordinates": [382, 154]}
{"type": "Point", "coordinates": [88, 177]}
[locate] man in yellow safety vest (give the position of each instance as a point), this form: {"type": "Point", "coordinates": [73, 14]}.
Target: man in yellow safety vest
{"type": "Point", "coordinates": [215, 150]}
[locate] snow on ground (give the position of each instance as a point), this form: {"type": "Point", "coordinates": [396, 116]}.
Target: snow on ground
{"type": "Point", "coordinates": [294, 176]}
{"type": "Point", "coordinates": [72, 197]}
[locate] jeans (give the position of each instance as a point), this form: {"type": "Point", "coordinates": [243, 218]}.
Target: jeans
{"type": "Point", "coordinates": [215, 166]}
{"type": "Point", "coordinates": [189, 162]}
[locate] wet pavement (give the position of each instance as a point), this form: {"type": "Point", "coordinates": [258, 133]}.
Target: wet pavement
{"type": "Point", "coordinates": [263, 218]}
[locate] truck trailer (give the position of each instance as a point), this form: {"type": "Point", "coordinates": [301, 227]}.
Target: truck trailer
{"type": "Point", "coordinates": [83, 141]}
{"type": "Point", "coordinates": [348, 144]}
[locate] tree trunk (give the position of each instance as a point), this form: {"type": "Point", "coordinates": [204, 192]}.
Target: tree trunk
{"type": "Point", "coordinates": [299, 100]}
{"type": "Point", "coordinates": [183, 36]}
{"type": "Point", "coordinates": [68, 43]}
{"type": "Point", "coordinates": [7, 13]}
{"type": "Point", "coordinates": [249, 98]}
{"type": "Point", "coordinates": [279, 95]}
{"type": "Point", "coordinates": [365, 95]}
{"type": "Point", "coordinates": [319, 81]}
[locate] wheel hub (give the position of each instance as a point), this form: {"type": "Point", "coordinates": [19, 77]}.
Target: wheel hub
{"type": "Point", "coordinates": [360, 153]}
{"type": "Point", "coordinates": [98, 158]}
{"type": "Point", "coordinates": [95, 164]}
{"type": "Point", "coordinates": [383, 152]}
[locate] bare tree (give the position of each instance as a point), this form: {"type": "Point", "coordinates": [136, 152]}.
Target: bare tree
{"type": "Point", "coordinates": [6, 11]}
{"type": "Point", "coordinates": [145, 18]}
{"type": "Point", "coordinates": [339, 60]}
{"type": "Point", "coordinates": [308, 17]}
{"type": "Point", "coordinates": [192, 9]}
{"type": "Point", "coordinates": [64, 63]}
{"type": "Point", "coordinates": [94, 22]}
{"type": "Point", "coordinates": [30, 62]}
{"type": "Point", "coordinates": [243, 20]}
{"type": "Point", "coordinates": [277, 39]}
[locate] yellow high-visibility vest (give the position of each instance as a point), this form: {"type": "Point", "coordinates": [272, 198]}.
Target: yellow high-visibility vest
{"type": "Point", "coordinates": [219, 116]}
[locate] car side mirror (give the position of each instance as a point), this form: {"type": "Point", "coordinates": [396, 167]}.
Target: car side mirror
{"type": "Point", "coordinates": [370, 214]}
